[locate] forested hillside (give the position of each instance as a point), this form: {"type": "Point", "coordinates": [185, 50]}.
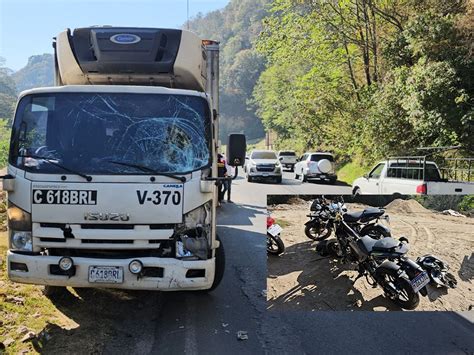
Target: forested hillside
{"type": "Point", "coordinates": [368, 78]}
{"type": "Point", "coordinates": [37, 73]}
{"type": "Point", "coordinates": [237, 27]}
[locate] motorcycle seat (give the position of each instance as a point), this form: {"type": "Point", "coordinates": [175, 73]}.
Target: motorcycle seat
{"type": "Point", "coordinates": [367, 244]}
{"type": "Point", "coordinates": [363, 216]}
{"type": "Point", "coordinates": [352, 216]}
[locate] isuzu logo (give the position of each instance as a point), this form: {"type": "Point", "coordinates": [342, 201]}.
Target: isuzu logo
{"type": "Point", "coordinates": [99, 216]}
{"type": "Point", "coordinates": [125, 38]}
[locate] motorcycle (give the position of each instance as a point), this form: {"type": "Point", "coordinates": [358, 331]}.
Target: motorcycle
{"type": "Point", "coordinates": [383, 262]}
{"type": "Point", "coordinates": [275, 245]}
{"type": "Point", "coordinates": [320, 224]}
{"type": "Point", "coordinates": [437, 269]}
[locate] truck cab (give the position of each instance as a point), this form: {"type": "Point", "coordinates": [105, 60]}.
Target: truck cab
{"type": "Point", "coordinates": [112, 174]}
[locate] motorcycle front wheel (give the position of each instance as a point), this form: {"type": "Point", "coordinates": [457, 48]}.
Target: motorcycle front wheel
{"type": "Point", "coordinates": [317, 232]}
{"type": "Point", "coordinates": [406, 297]}
{"type": "Point", "coordinates": [275, 245]}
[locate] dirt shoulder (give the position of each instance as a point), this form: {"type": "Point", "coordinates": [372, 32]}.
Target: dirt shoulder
{"type": "Point", "coordinates": [301, 279]}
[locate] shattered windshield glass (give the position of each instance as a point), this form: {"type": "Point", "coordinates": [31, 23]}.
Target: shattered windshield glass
{"type": "Point", "coordinates": [100, 133]}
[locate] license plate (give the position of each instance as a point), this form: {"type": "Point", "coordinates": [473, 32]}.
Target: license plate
{"type": "Point", "coordinates": [322, 176]}
{"type": "Point", "coordinates": [274, 230]}
{"type": "Point", "coordinates": [420, 281]}
{"type": "Point", "coordinates": [265, 174]}
{"type": "Point", "coordinates": [106, 274]}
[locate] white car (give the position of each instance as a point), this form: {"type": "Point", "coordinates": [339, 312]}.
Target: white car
{"type": "Point", "coordinates": [288, 159]}
{"type": "Point", "coordinates": [408, 177]}
{"type": "Point", "coordinates": [263, 164]}
{"type": "Point", "coordinates": [316, 166]}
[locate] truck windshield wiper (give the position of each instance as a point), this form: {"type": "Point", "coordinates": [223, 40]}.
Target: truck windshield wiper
{"type": "Point", "coordinates": [147, 170]}
{"type": "Point", "coordinates": [55, 163]}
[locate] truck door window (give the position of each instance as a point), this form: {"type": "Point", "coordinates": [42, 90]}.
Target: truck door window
{"type": "Point", "coordinates": [377, 171]}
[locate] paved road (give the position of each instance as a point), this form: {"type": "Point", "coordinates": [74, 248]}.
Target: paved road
{"type": "Point", "coordinates": [291, 186]}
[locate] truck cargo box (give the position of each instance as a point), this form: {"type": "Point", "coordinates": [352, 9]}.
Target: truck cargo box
{"type": "Point", "coordinates": [131, 56]}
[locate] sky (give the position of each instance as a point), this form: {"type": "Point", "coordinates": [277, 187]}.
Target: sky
{"type": "Point", "coordinates": [28, 26]}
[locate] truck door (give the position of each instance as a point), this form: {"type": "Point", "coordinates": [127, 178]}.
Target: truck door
{"type": "Point", "coordinates": [374, 180]}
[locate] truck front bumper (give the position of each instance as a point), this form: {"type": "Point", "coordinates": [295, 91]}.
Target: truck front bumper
{"type": "Point", "coordinates": [175, 275]}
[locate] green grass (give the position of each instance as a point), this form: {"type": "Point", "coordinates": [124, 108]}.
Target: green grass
{"type": "Point", "coordinates": [351, 171]}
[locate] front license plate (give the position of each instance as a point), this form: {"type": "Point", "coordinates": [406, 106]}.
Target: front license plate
{"type": "Point", "coordinates": [106, 274]}
{"type": "Point", "coordinates": [322, 176]}
{"type": "Point", "coordinates": [420, 281]}
{"type": "Point", "coordinates": [274, 230]}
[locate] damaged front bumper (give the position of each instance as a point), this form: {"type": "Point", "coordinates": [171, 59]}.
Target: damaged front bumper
{"type": "Point", "coordinates": [169, 274]}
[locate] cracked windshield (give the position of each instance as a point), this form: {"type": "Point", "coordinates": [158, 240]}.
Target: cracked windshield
{"type": "Point", "coordinates": [102, 133]}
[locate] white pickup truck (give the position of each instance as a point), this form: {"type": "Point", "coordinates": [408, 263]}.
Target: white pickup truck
{"type": "Point", "coordinates": [408, 177]}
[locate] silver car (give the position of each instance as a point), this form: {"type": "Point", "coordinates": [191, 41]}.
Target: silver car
{"type": "Point", "coordinates": [263, 164]}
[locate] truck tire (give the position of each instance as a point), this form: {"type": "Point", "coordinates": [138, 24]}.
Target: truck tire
{"type": "Point", "coordinates": [279, 180]}
{"type": "Point", "coordinates": [249, 178]}
{"type": "Point", "coordinates": [54, 291]}
{"type": "Point", "coordinates": [356, 191]}
{"type": "Point", "coordinates": [220, 265]}
{"type": "Point", "coordinates": [292, 168]}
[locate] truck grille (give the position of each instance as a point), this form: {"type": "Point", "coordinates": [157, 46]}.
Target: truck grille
{"type": "Point", "coordinates": [266, 167]}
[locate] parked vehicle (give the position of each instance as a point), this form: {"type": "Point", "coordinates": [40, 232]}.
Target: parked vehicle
{"type": "Point", "coordinates": [383, 262]}
{"type": "Point", "coordinates": [318, 166]}
{"type": "Point", "coordinates": [322, 217]}
{"type": "Point", "coordinates": [112, 173]}
{"type": "Point", "coordinates": [287, 159]}
{"type": "Point", "coordinates": [275, 245]}
{"type": "Point", "coordinates": [417, 175]}
{"type": "Point", "coordinates": [263, 165]}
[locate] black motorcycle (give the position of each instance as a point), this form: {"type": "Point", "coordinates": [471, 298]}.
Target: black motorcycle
{"type": "Point", "coordinates": [320, 224]}
{"type": "Point", "coordinates": [382, 262]}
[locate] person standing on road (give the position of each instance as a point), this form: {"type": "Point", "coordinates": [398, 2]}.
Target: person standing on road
{"type": "Point", "coordinates": [230, 173]}
{"type": "Point", "coordinates": [221, 172]}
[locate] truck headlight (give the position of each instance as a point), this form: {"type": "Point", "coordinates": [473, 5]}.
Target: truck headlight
{"type": "Point", "coordinates": [21, 241]}
{"type": "Point", "coordinates": [18, 219]}
{"type": "Point", "coordinates": [193, 238]}
{"type": "Point", "coordinates": [19, 226]}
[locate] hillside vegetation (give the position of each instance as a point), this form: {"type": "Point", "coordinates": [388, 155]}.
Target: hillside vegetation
{"type": "Point", "coordinates": [367, 78]}
{"type": "Point", "coordinates": [237, 27]}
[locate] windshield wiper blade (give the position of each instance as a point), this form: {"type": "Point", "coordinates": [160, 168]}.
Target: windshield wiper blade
{"type": "Point", "coordinates": [55, 163]}
{"type": "Point", "coordinates": [147, 170]}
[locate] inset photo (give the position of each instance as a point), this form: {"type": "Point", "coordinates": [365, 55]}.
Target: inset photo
{"type": "Point", "coordinates": [370, 253]}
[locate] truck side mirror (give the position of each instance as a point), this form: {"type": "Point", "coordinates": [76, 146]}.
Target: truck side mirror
{"type": "Point", "coordinates": [366, 176]}
{"type": "Point", "coordinates": [236, 149]}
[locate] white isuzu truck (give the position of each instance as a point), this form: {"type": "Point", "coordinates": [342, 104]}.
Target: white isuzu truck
{"type": "Point", "coordinates": [112, 174]}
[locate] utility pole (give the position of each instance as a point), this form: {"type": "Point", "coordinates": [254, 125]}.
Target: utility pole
{"type": "Point", "coordinates": [187, 14]}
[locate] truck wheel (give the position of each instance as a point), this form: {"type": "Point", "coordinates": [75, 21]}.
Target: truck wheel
{"type": "Point", "coordinates": [249, 178]}
{"type": "Point", "coordinates": [297, 176]}
{"type": "Point", "coordinates": [356, 191]}
{"type": "Point", "coordinates": [279, 180]}
{"type": "Point", "coordinates": [303, 178]}
{"type": "Point", "coordinates": [292, 168]}
{"type": "Point", "coordinates": [220, 265]}
{"type": "Point", "coordinates": [54, 291]}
